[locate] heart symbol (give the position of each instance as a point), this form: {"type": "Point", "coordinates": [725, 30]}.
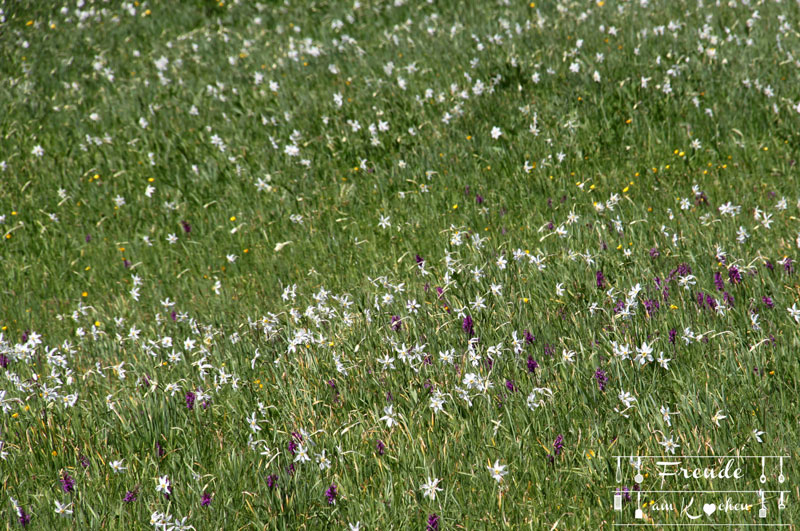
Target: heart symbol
{"type": "Point", "coordinates": [709, 508]}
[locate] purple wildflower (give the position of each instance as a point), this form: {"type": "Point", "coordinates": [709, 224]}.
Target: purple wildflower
{"type": "Point", "coordinates": [433, 523]}
{"type": "Point", "coordinates": [651, 305]}
{"type": "Point", "coordinates": [88, 238]}
{"type": "Point", "coordinates": [468, 326]}
{"type": "Point", "coordinates": [190, 398]}
{"type": "Point", "coordinates": [788, 266]}
{"type": "Point", "coordinates": [549, 350]}
{"type": "Point", "coordinates": [769, 265]}
{"type": "Point", "coordinates": [728, 298]}
{"type": "Point", "coordinates": [654, 252]}
{"type": "Point", "coordinates": [24, 518]}
{"type": "Point", "coordinates": [529, 338]}
{"type": "Point", "coordinates": [160, 450]}
{"type": "Point", "coordinates": [700, 299]}
{"type": "Point", "coordinates": [734, 277]}
{"type": "Point", "coordinates": [272, 480]}
{"type": "Point", "coordinates": [532, 364]}
{"type": "Point", "coordinates": [718, 281]}
{"type": "Point", "coordinates": [331, 494]}
{"type": "Point", "coordinates": [510, 385]}
{"type": "Point", "coordinates": [625, 492]}
{"type": "Point", "coordinates": [559, 444]}
{"type": "Point", "coordinates": [174, 315]}
{"type": "Point", "coordinates": [3, 361]}
{"type": "Point", "coordinates": [292, 447]}
{"type": "Point", "coordinates": [131, 495]}
{"type": "Point", "coordinates": [420, 261]}
{"type": "Point", "coordinates": [205, 501]}
{"type": "Point", "coordinates": [67, 483]}
{"type": "Point", "coordinates": [186, 227]}
{"type": "Point", "coordinates": [479, 199]}
{"type": "Point", "coordinates": [601, 377]}
{"type": "Point", "coordinates": [711, 302]}
{"type": "Point", "coordinates": [381, 447]}
{"type": "Point", "coordinates": [768, 302]}
{"type": "Point", "coordinates": [672, 335]}
{"type": "Point", "coordinates": [600, 279]}
{"type": "Point", "coordinates": [396, 323]}
{"type": "Point", "coordinates": [84, 461]}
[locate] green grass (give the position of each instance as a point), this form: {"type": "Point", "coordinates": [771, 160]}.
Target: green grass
{"type": "Point", "coordinates": [79, 84]}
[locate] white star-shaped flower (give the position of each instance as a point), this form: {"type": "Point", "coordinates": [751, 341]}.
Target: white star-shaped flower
{"type": "Point", "coordinates": [497, 471]}
{"type": "Point", "coordinates": [430, 487]}
{"type": "Point", "coordinates": [669, 445]}
{"type": "Point", "coordinates": [794, 313]}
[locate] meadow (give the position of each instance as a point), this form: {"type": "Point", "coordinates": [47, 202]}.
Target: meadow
{"type": "Point", "coordinates": [398, 264]}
